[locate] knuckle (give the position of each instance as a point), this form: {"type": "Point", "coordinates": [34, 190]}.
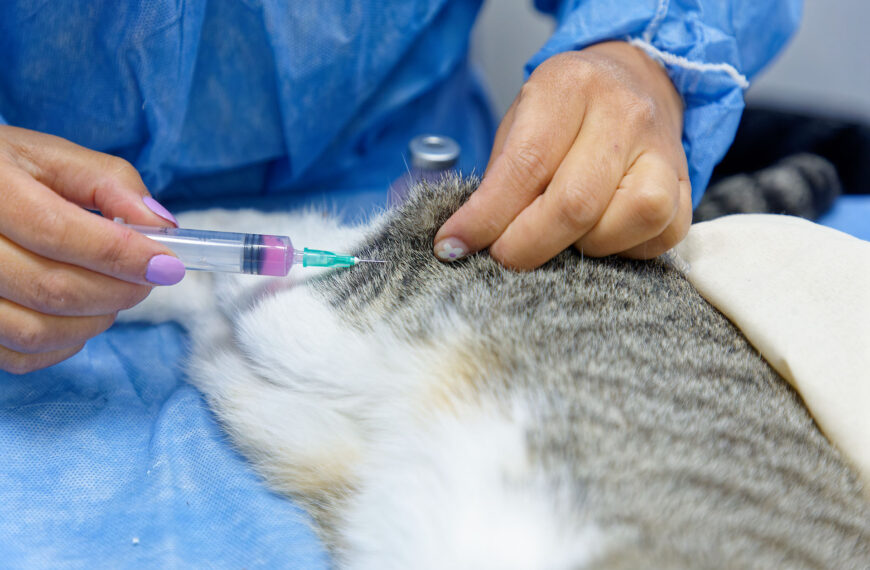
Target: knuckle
{"type": "Point", "coordinates": [556, 61]}
{"type": "Point", "coordinates": [50, 229]}
{"type": "Point", "coordinates": [53, 293]}
{"type": "Point", "coordinates": [490, 225]}
{"type": "Point", "coordinates": [118, 173]}
{"type": "Point", "coordinates": [121, 169]}
{"type": "Point", "coordinates": [654, 206]}
{"type": "Point", "coordinates": [30, 338]}
{"type": "Point", "coordinates": [529, 89]}
{"type": "Point", "coordinates": [639, 111]}
{"type": "Point", "coordinates": [20, 152]}
{"type": "Point", "coordinates": [7, 153]}
{"type": "Point", "coordinates": [577, 207]}
{"type": "Point", "coordinates": [527, 162]}
{"type": "Point", "coordinates": [114, 253]}
{"type": "Point", "coordinates": [571, 74]}
{"type": "Point", "coordinates": [585, 71]}
{"type": "Point", "coordinates": [574, 62]}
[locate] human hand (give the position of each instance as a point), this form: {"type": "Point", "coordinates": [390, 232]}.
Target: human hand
{"type": "Point", "coordinates": [588, 154]}
{"type": "Point", "coordinates": [66, 272]}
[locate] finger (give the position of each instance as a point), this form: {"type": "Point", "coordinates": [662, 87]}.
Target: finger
{"type": "Point", "coordinates": [55, 288]}
{"type": "Point", "coordinates": [572, 204]}
{"type": "Point", "coordinates": [21, 363]}
{"type": "Point", "coordinates": [26, 331]}
{"type": "Point", "coordinates": [88, 178]}
{"type": "Point", "coordinates": [43, 222]}
{"type": "Point", "coordinates": [673, 234]}
{"type": "Point", "coordinates": [545, 126]}
{"type": "Point", "coordinates": [501, 133]}
{"type": "Point", "coordinates": [645, 203]}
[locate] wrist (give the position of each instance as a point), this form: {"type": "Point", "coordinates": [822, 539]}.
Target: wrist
{"type": "Point", "coordinates": [649, 74]}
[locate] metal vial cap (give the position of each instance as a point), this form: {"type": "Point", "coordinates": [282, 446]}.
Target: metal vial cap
{"type": "Point", "coordinates": [433, 152]}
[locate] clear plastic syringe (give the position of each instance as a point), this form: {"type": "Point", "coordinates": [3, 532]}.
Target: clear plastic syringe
{"type": "Point", "coordinates": [257, 254]}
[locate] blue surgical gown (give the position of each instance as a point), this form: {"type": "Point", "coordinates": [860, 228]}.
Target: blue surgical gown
{"type": "Point", "coordinates": [110, 458]}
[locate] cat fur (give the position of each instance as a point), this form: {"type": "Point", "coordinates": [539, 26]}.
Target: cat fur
{"type": "Point", "coordinates": [592, 413]}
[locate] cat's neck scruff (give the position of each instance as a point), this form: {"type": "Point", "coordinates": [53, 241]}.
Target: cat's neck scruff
{"type": "Point", "coordinates": [593, 413]}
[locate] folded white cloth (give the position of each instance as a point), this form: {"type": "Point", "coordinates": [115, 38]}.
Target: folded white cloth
{"type": "Point", "coordinates": [800, 292]}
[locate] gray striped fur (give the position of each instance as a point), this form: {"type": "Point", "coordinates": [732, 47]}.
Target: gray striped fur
{"type": "Point", "coordinates": [652, 415]}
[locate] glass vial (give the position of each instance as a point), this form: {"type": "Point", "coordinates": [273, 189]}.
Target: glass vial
{"type": "Point", "coordinates": [431, 157]}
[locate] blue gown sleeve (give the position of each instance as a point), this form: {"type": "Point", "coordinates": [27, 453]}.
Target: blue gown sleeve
{"type": "Point", "coordinates": [710, 49]}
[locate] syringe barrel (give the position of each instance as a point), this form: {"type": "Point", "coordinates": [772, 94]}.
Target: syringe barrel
{"type": "Point", "coordinates": [229, 252]}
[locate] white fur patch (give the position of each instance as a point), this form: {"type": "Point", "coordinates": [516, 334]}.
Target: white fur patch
{"type": "Point", "coordinates": [460, 493]}
{"type": "Point", "coordinates": [441, 479]}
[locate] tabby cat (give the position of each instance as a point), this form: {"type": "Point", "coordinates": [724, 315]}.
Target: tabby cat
{"type": "Point", "coordinates": [593, 413]}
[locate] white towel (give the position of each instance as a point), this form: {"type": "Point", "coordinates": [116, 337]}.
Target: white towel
{"type": "Point", "coordinates": [800, 292]}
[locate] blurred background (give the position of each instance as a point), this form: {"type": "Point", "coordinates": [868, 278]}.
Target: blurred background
{"type": "Point", "coordinates": [824, 70]}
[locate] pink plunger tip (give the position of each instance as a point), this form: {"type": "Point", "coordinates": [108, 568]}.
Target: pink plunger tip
{"type": "Point", "coordinates": [277, 257]}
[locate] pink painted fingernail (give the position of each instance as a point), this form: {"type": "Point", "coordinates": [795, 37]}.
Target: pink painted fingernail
{"type": "Point", "coordinates": [450, 249]}
{"type": "Point", "coordinates": [158, 209]}
{"type": "Point", "coordinates": [164, 270]}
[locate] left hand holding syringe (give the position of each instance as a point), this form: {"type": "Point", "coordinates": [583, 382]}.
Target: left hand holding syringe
{"type": "Point", "coordinates": [66, 272]}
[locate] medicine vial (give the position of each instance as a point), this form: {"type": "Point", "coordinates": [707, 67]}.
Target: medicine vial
{"type": "Point", "coordinates": [431, 156]}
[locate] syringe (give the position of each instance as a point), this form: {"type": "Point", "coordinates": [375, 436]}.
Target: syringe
{"type": "Point", "coordinates": [258, 254]}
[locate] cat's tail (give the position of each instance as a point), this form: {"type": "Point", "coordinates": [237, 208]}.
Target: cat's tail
{"type": "Point", "coordinates": [804, 185]}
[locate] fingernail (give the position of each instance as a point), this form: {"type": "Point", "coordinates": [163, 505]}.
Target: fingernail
{"type": "Point", "coordinates": [450, 249]}
{"type": "Point", "coordinates": [158, 209]}
{"type": "Point", "coordinates": [164, 270]}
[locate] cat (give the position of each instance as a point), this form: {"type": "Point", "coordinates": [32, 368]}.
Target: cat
{"type": "Point", "coordinates": [592, 413]}
{"type": "Point", "coordinates": [801, 184]}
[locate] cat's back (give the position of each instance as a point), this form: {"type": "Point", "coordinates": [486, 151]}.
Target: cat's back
{"type": "Point", "coordinates": [643, 412]}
